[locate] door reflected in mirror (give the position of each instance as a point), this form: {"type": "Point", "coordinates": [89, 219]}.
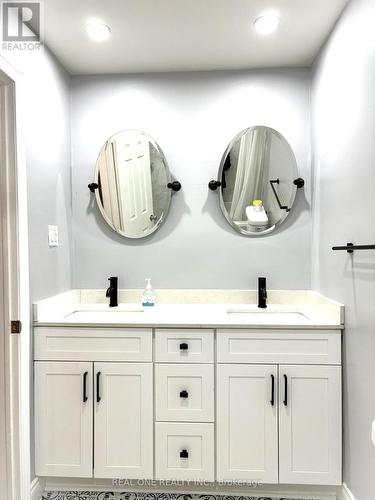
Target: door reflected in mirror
{"type": "Point", "coordinates": [257, 181]}
{"type": "Point", "coordinates": [132, 177]}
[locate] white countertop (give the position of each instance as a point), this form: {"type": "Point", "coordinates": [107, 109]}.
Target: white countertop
{"type": "Point", "coordinates": [214, 309]}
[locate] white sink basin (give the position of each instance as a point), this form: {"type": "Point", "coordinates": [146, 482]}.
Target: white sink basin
{"type": "Point", "coordinates": [107, 312]}
{"type": "Point", "coordinates": [273, 315]}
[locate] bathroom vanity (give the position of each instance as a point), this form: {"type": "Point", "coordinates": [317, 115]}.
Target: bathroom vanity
{"type": "Point", "coordinates": [204, 386]}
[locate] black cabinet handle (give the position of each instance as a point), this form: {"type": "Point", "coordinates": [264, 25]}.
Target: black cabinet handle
{"type": "Point", "coordinates": [98, 397]}
{"type": "Point", "coordinates": [285, 391]}
{"type": "Point", "coordinates": [272, 390]}
{"type": "Point", "coordinates": [184, 394]}
{"type": "Point", "coordinates": [85, 398]}
{"type": "Point", "coordinates": [184, 346]}
{"type": "Point", "coordinates": [184, 454]}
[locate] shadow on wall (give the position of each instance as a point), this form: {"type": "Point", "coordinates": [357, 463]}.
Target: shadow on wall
{"type": "Point", "coordinates": [301, 205]}
{"type": "Point", "coordinates": [212, 207]}
{"type": "Point", "coordinates": [177, 210]}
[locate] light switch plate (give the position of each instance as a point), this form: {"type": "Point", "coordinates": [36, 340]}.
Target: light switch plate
{"type": "Point", "coordinates": [373, 432]}
{"type": "Point", "coordinates": [53, 236]}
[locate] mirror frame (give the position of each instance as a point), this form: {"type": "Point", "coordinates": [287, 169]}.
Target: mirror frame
{"type": "Point", "coordinates": [169, 179]}
{"type": "Point", "coordinates": [220, 176]}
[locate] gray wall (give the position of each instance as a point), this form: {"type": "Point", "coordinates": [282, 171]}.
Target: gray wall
{"type": "Point", "coordinates": [47, 134]}
{"type": "Point", "coordinates": [46, 128]}
{"type": "Point", "coordinates": [344, 208]}
{"type": "Point", "coordinates": [193, 117]}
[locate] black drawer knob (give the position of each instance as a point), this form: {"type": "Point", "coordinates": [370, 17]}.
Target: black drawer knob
{"type": "Point", "coordinates": [184, 394]}
{"type": "Point", "coordinates": [184, 454]}
{"type": "Point", "coordinates": [184, 346]}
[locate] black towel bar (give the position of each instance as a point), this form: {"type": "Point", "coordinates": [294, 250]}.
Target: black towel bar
{"type": "Point", "coordinates": [350, 247]}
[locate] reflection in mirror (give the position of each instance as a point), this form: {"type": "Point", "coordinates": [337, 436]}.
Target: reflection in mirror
{"type": "Point", "coordinates": [132, 178]}
{"type": "Point", "coordinates": [256, 180]}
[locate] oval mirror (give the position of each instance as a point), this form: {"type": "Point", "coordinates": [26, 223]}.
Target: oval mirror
{"type": "Point", "coordinates": [133, 184]}
{"type": "Point", "coordinates": [257, 180]}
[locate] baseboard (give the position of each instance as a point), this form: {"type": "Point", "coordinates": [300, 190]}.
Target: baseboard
{"type": "Point", "coordinates": [345, 493]}
{"type": "Point", "coordinates": [272, 491]}
{"type": "Point", "coordinates": [36, 489]}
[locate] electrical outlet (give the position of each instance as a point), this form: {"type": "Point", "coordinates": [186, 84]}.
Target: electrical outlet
{"type": "Point", "coordinates": [373, 432]}
{"type": "Point", "coordinates": [53, 236]}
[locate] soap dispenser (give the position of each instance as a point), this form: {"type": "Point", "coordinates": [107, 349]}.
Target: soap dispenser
{"type": "Point", "coordinates": [148, 296]}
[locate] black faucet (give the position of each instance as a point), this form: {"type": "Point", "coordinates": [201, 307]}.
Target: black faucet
{"type": "Point", "coordinates": [112, 291]}
{"type": "Point", "coordinates": [262, 293]}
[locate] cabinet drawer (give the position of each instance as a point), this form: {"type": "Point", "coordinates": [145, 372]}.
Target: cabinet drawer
{"type": "Point", "coordinates": [184, 451]}
{"type": "Point", "coordinates": [275, 346]}
{"type": "Point", "coordinates": [123, 344]}
{"type": "Point", "coordinates": [184, 393]}
{"type": "Point", "coordinates": [184, 346]}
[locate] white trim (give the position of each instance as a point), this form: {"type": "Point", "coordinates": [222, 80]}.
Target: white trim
{"type": "Point", "coordinates": [345, 493]}
{"type": "Point", "coordinates": [273, 491]}
{"type": "Point", "coordinates": [9, 69]}
{"type": "Point", "coordinates": [13, 192]}
{"type": "Point", "coordinates": [36, 489]}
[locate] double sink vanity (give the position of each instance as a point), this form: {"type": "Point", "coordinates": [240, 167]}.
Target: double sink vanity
{"type": "Point", "coordinates": [205, 386]}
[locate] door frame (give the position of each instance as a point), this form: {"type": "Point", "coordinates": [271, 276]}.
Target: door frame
{"type": "Point", "coordinates": [14, 280]}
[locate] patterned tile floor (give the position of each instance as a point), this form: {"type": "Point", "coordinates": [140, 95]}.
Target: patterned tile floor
{"type": "Point", "coordinates": [105, 495]}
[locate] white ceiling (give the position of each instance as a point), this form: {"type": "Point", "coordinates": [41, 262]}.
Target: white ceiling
{"type": "Point", "coordinates": [181, 35]}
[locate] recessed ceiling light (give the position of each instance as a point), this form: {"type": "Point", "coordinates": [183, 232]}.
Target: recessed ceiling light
{"type": "Point", "coordinates": [265, 25]}
{"type": "Point", "coordinates": [98, 32]}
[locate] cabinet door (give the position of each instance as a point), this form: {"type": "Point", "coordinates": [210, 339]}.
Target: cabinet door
{"type": "Point", "coordinates": [310, 425]}
{"type": "Point", "coordinates": [63, 419]}
{"type": "Point", "coordinates": [247, 446]}
{"type": "Point", "coordinates": [123, 420]}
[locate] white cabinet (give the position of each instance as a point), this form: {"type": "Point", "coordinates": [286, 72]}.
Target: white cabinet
{"type": "Point", "coordinates": [117, 416]}
{"type": "Point", "coordinates": [123, 420]}
{"type": "Point", "coordinates": [310, 425]}
{"type": "Point", "coordinates": [63, 419]}
{"type": "Point", "coordinates": [184, 404]}
{"type": "Point", "coordinates": [247, 447]}
{"type": "Point", "coordinates": [296, 440]}
{"type": "Point", "coordinates": [277, 417]}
